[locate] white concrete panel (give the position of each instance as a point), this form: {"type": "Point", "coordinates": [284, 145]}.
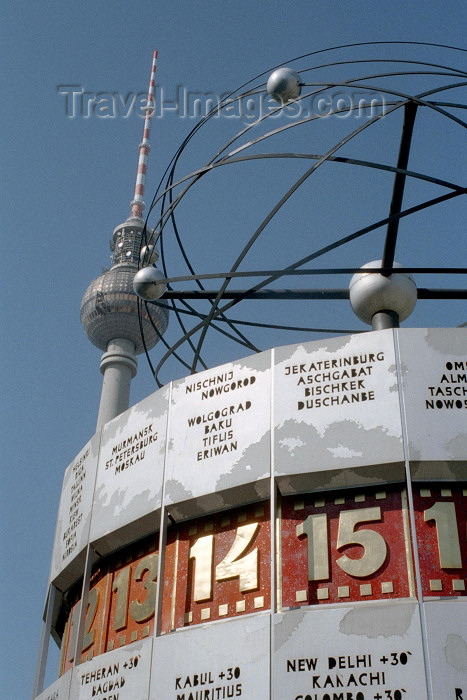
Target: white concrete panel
{"type": "Point", "coordinates": [57, 691]}
{"type": "Point", "coordinates": [361, 651]}
{"type": "Point", "coordinates": [212, 662]}
{"type": "Point", "coordinates": [336, 405]}
{"type": "Point", "coordinates": [219, 437]}
{"type": "Point", "coordinates": [122, 674]}
{"type": "Point", "coordinates": [446, 628]}
{"type": "Point", "coordinates": [74, 516]}
{"type": "Point", "coordinates": [130, 472]}
{"type": "Point", "coordinates": [434, 382]}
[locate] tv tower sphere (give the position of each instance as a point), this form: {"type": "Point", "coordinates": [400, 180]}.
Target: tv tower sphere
{"type": "Point", "coordinates": [109, 308]}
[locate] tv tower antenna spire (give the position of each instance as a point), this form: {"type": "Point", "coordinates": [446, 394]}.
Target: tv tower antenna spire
{"type": "Point", "coordinates": [137, 204]}
{"type": "Point", "coordinates": [109, 308]}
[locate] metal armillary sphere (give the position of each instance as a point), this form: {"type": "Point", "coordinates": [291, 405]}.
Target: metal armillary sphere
{"type": "Point", "coordinates": [319, 171]}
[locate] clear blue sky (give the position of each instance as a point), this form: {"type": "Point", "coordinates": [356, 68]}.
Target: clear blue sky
{"type": "Point", "coordinates": [66, 183]}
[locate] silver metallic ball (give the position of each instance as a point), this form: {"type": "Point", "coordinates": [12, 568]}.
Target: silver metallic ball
{"type": "Point", "coordinates": [147, 283]}
{"type": "Point", "coordinates": [149, 254]}
{"type": "Point", "coordinates": [371, 293]}
{"type": "Point", "coordinates": [284, 85]}
{"type": "Point", "coordinates": [109, 310]}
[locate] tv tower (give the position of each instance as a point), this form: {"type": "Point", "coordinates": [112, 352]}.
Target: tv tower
{"type": "Point", "coordinates": [109, 308]}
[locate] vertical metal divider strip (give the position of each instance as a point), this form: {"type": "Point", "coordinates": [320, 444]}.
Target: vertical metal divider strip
{"type": "Point", "coordinates": [90, 557]}
{"type": "Point", "coordinates": [160, 573]}
{"type": "Point", "coordinates": [42, 658]}
{"type": "Point", "coordinates": [83, 606]}
{"type": "Point", "coordinates": [274, 534]}
{"type": "Point", "coordinates": [174, 582]}
{"type": "Point", "coordinates": [407, 539]}
{"type": "Point", "coordinates": [162, 540]}
{"type": "Point", "coordinates": [95, 555]}
{"type": "Point", "coordinates": [106, 606]}
{"type": "Point", "coordinates": [408, 479]}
